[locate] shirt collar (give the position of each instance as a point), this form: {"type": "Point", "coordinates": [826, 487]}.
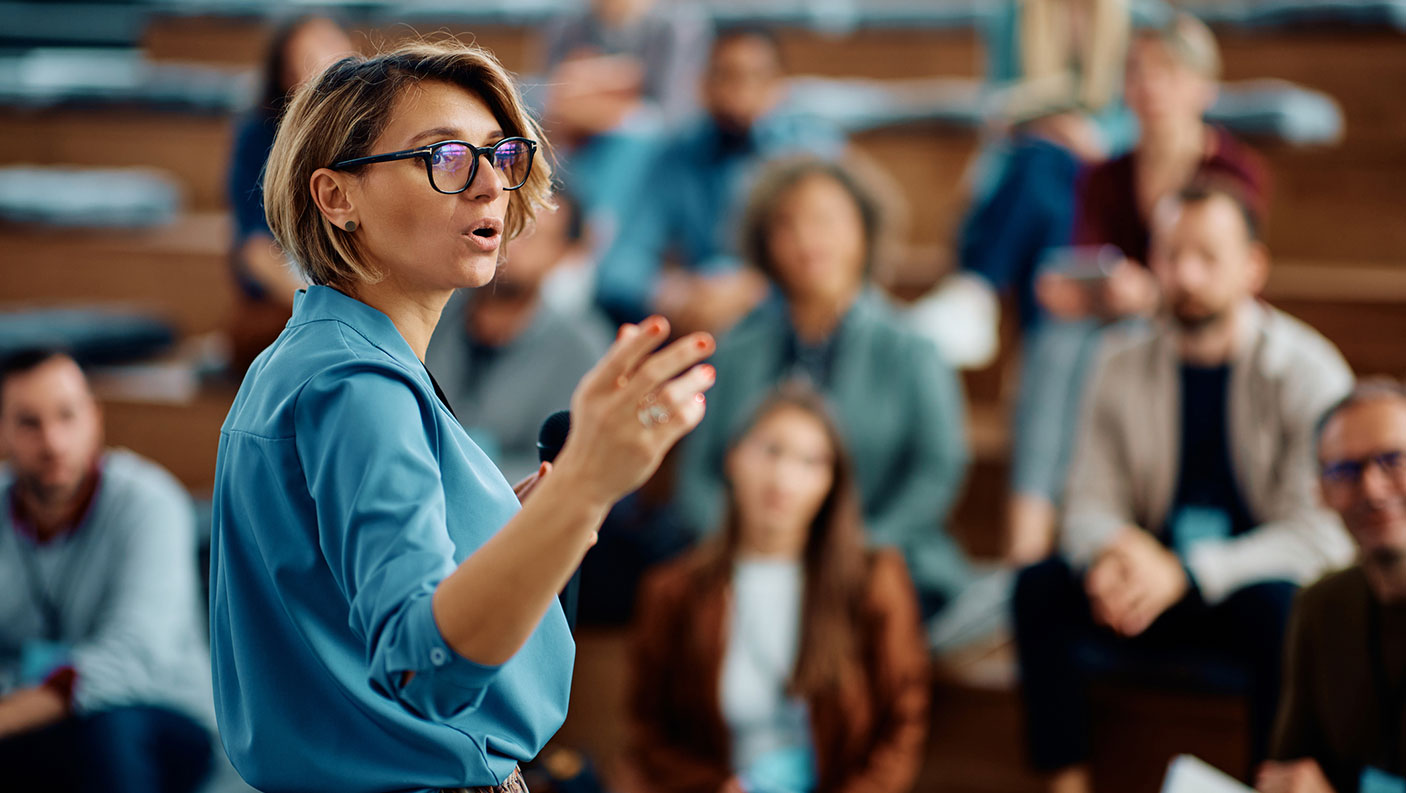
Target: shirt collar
{"type": "Point", "coordinates": [322, 303]}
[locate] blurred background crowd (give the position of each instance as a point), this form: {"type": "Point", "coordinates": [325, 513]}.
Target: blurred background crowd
{"type": "Point", "coordinates": [1030, 313]}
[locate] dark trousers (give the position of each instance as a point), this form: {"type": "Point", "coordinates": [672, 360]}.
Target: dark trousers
{"type": "Point", "coordinates": [1028, 214]}
{"type": "Point", "coordinates": [135, 749]}
{"type": "Point", "coordinates": [1235, 645]}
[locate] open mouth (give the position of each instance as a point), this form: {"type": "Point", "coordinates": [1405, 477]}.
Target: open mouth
{"type": "Point", "coordinates": [486, 234]}
{"type": "Point", "coordinates": [487, 228]}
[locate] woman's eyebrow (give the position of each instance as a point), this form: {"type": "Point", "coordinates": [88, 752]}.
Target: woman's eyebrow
{"type": "Point", "coordinates": [441, 133]}
{"type": "Point", "coordinates": [448, 133]}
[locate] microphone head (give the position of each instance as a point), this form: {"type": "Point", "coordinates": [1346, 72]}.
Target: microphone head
{"type": "Point", "coordinates": [553, 435]}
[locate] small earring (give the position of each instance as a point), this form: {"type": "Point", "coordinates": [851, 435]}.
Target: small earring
{"type": "Point", "coordinates": [351, 225]}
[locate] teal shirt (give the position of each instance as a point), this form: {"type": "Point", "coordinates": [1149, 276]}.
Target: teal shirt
{"type": "Point", "coordinates": [344, 493]}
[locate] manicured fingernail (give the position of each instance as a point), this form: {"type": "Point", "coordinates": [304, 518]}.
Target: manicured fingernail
{"type": "Point", "coordinates": [656, 325]}
{"type": "Point", "coordinates": [701, 344]}
{"type": "Point", "coordinates": [708, 371]}
{"type": "Point", "coordinates": [699, 398]}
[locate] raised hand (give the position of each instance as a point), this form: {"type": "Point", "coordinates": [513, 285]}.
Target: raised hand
{"type": "Point", "coordinates": [630, 409]}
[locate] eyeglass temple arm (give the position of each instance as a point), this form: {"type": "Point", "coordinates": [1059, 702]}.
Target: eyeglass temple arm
{"type": "Point", "coordinates": [388, 157]}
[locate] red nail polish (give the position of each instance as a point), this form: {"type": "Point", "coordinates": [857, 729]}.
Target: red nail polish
{"type": "Point", "coordinates": [709, 372]}
{"type": "Point", "coordinates": [702, 344]}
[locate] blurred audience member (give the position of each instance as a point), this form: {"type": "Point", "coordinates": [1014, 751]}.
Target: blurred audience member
{"type": "Point", "coordinates": [1342, 724]}
{"type": "Point", "coordinates": [615, 58]}
{"type": "Point", "coordinates": [1170, 82]}
{"type": "Point", "coordinates": [1192, 512]}
{"type": "Point", "coordinates": [104, 674]}
{"type": "Point", "coordinates": [686, 213]}
{"type": "Point", "coordinates": [506, 359]}
{"type": "Point", "coordinates": [299, 50]}
{"type": "Point", "coordinates": [780, 657]}
{"type": "Point", "coordinates": [1054, 68]}
{"type": "Point", "coordinates": [814, 230]}
{"type": "Point", "coordinates": [619, 75]}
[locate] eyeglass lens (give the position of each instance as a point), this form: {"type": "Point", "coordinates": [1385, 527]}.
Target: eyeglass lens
{"type": "Point", "coordinates": [1392, 463]}
{"type": "Point", "coordinates": [452, 165]}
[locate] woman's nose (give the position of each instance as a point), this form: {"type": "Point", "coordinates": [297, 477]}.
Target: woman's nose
{"type": "Point", "coordinates": [487, 184]}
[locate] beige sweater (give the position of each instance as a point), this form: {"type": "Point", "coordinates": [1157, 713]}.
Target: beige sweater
{"type": "Point", "coordinates": [1125, 464]}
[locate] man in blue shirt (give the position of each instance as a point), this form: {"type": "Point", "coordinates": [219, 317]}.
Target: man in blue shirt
{"type": "Point", "coordinates": [104, 673]}
{"type": "Point", "coordinates": [695, 190]}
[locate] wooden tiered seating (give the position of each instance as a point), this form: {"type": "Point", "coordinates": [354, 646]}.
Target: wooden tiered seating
{"type": "Point", "coordinates": [1344, 204]}
{"type": "Point", "coordinates": [178, 272]}
{"type": "Point", "coordinates": [193, 148]}
{"type": "Point", "coordinates": [1336, 233]}
{"type": "Point", "coordinates": [182, 436]}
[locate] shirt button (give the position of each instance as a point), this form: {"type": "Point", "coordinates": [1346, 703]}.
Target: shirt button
{"type": "Point", "coordinates": [438, 657]}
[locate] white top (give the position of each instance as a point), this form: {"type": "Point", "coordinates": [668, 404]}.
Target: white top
{"type": "Point", "coordinates": [762, 644]}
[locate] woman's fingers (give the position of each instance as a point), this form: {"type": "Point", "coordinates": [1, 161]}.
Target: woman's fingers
{"type": "Point", "coordinates": [632, 345]}
{"type": "Point", "coordinates": [665, 365]}
{"type": "Point", "coordinates": [524, 488]}
{"type": "Point", "coordinates": [683, 398]}
{"type": "Point", "coordinates": [635, 404]}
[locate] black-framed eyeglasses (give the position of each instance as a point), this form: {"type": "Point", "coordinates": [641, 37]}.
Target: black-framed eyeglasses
{"type": "Point", "coordinates": [1349, 472]}
{"type": "Point", "coordinates": [451, 165]}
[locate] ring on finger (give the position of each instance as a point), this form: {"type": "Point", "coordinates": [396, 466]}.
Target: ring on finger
{"type": "Point", "coordinates": [652, 414]}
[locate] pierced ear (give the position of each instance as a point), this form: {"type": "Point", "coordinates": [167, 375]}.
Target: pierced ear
{"type": "Point", "coordinates": [331, 192]}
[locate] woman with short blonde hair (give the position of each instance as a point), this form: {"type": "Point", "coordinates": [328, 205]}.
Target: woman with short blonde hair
{"type": "Point", "coordinates": [336, 123]}
{"type": "Point", "coordinates": [383, 607]}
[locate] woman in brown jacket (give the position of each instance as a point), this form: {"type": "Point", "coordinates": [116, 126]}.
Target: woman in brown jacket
{"type": "Point", "coordinates": [782, 657]}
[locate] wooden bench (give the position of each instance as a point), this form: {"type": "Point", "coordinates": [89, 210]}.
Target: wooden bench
{"type": "Point", "coordinates": [1360, 307]}
{"type": "Point", "coordinates": [178, 272]}
{"type": "Point", "coordinates": [193, 148]}
{"type": "Point", "coordinates": [183, 436]}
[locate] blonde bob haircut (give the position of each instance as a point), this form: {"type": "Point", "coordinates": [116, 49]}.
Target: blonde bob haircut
{"type": "Point", "coordinates": [340, 115]}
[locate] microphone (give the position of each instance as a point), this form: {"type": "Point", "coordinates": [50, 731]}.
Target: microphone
{"type": "Point", "coordinates": [553, 435]}
{"type": "Point", "coordinates": [550, 439]}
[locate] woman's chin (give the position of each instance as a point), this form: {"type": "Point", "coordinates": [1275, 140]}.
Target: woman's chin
{"type": "Point", "coordinates": [477, 271]}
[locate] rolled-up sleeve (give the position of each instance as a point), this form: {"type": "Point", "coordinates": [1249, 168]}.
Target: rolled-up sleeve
{"type": "Point", "coordinates": [367, 442]}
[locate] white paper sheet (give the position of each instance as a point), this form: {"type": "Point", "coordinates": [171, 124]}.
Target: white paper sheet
{"type": "Point", "coordinates": [1187, 774]}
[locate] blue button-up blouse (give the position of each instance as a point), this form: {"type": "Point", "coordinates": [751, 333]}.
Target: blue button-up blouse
{"type": "Point", "coordinates": [344, 493]}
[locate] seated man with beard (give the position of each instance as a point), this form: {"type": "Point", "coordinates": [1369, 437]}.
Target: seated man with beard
{"type": "Point", "coordinates": [1192, 514]}
{"type": "Point", "coordinates": [104, 670]}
